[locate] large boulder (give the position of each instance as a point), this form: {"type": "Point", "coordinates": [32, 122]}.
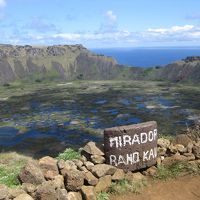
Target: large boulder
{"type": "Point", "coordinates": [46, 191]}
{"type": "Point", "coordinates": [3, 192]}
{"type": "Point", "coordinates": [49, 167]}
{"type": "Point", "coordinates": [92, 149]}
{"type": "Point", "coordinates": [31, 173]}
{"type": "Point", "coordinates": [104, 184]}
{"type": "Point", "coordinates": [88, 192]}
{"type": "Point", "coordinates": [100, 170]}
{"type": "Point", "coordinates": [182, 139]}
{"type": "Point", "coordinates": [74, 180]}
{"type": "Point", "coordinates": [23, 197]}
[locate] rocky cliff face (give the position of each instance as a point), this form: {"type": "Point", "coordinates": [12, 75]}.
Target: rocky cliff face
{"type": "Point", "coordinates": [67, 62]}
{"type": "Point", "coordinates": [72, 62]}
{"type": "Point", "coordinates": [185, 70]}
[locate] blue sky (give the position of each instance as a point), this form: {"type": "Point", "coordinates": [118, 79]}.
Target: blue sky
{"type": "Point", "coordinates": [101, 23]}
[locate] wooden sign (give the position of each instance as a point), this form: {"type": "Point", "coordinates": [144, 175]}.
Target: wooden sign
{"type": "Point", "coordinates": [131, 147]}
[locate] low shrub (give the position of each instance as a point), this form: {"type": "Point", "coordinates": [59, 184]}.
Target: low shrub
{"type": "Point", "coordinates": [69, 154]}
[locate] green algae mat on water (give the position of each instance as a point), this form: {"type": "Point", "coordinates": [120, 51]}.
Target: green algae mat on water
{"type": "Point", "coordinates": [43, 119]}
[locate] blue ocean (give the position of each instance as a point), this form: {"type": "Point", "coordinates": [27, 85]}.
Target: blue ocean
{"type": "Point", "coordinates": [148, 57]}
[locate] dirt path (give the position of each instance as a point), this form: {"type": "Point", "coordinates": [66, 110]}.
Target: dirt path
{"type": "Point", "coordinates": [183, 188]}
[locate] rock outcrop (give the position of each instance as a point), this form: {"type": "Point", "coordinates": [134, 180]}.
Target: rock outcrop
{"type": "Point", "coordinates": [58, 62]}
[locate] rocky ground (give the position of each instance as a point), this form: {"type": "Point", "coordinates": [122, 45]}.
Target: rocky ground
{"type": "Point", "coordinates": [88, 176]}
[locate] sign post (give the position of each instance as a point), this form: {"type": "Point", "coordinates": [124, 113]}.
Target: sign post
{"type": "Point", "coordinates": [131, 147]}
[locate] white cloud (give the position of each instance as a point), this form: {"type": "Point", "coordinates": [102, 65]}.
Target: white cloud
{"type": "Point", "coordinates": [92, 36]}
{"type": "Point", "coordinates": [68, 36]}
{"type": "Point", "coordinates": [2, 3]}
{"type": "Point", "coordinates": [111, 16]}
{"type": "Point", "coordinates": [157, 30]}
{"type": "Point", "coordinates": [175, 35]}
{"type": "Point", "coordinates": [172, 29]}
{"type": "Point", "coordinates": [182, 28]}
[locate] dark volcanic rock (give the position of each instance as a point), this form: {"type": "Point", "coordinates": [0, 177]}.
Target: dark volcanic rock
{"type": "Point", "coordinates": [55, 51]}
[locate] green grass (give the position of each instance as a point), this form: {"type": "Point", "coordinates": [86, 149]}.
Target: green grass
{"type": "Point", "coordinates": [8, 176]}
{"type": "Point", "coordinates": [103, 196]}
{"type": "Point", "coordinates": [69, 154]}
{"type": "Point", "coordinates": [174, 170]}
{"type": "Point", "coordinates": [123, 186]}
{"type": "Point", "coordinates": [10, 167]}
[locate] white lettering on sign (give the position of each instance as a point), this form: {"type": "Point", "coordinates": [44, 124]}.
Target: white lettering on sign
{"type": "Point", "coordinates": [126, 160]}
{"type": "Point", "coordinates": [133, 158]}
{"type": "Point", "coordinates": [121, 141]}
{"type": "Point", "coordinates": [151, 154]}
